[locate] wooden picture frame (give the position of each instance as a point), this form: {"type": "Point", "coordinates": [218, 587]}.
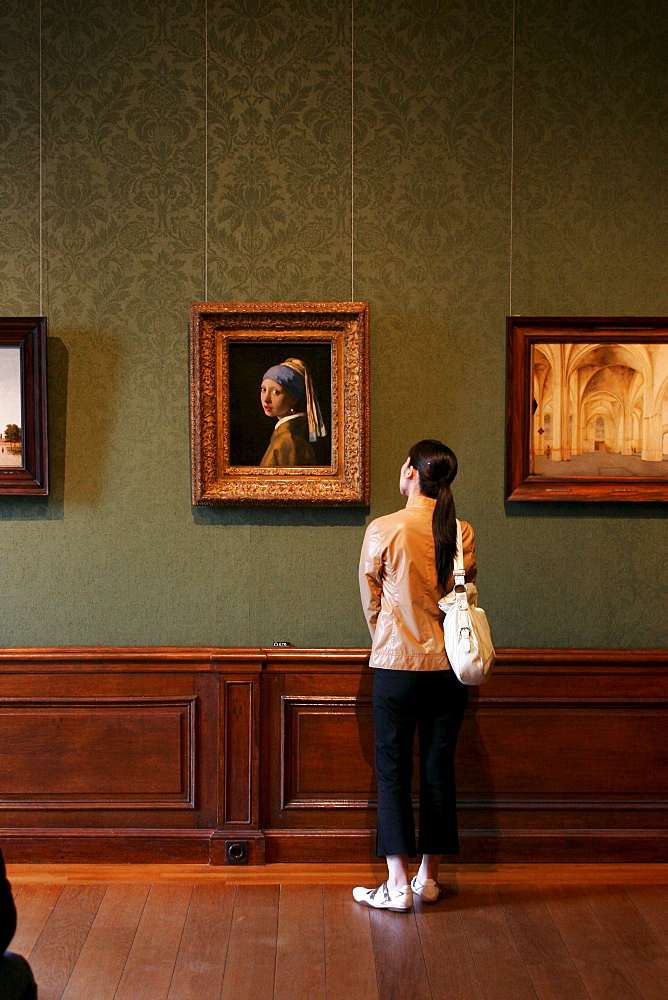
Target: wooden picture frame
{"type": "Point", "coordinates": [587, 408]}
{"type": "Point", "coordinates": [232, 345]}
{"type": "Point", "coordinates": [24, 456]}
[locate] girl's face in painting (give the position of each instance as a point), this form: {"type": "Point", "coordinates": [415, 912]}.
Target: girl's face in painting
{"type": "Point", "coordinates": [276, 402]}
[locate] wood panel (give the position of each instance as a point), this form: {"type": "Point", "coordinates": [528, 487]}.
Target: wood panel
{"type": "Point", "coordinates": [603, 755]}
{"type": "Point", "coordinates": [136, 753]}
{"type": "Point", "coordinates": [322, 734]}
{"type": "Point", "coordinates": [240, 718]}
{"type": "Point", "coordinates": [128, 754]}
{"type": "Point", "coordinates": [239, 761]}
{"type": "Point", "coordinates": [561, 757]}
{"type": "Point", "coordinates": [174, 754]}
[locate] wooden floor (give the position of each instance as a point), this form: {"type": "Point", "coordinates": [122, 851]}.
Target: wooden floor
{"type": "Point", "coordinates": [515, 932]}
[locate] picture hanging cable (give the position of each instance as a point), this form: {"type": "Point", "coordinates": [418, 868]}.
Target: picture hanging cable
{"type": "Point", "coordinates": [251, 173]}
{"type": "Point", "coordinates": [352, 150]}
{"type": "Point", "coordinates": [512, 163]}
{"type": "Point", "coordinates": [40, 180]}
{"type": "Point", "coordinates": [206, 150]}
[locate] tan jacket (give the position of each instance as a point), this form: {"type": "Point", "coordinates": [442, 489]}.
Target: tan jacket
{"type": "Point", "coordinates": [400, 591]}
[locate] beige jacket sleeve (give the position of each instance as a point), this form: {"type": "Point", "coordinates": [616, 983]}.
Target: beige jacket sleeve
{"type": "Point", "coordinates": [371, 576]}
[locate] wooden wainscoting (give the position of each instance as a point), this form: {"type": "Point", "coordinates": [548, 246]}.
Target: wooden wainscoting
{"type": "Point", "coordinates": [179, 754]}
{"type": "Point", "coordinates": [129, 754]}
{"type": "Point", "coordinates": [562, 756]}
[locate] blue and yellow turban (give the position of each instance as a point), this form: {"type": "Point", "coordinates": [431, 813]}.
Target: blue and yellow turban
{"type": "Point", "coordinates": [295, 378]}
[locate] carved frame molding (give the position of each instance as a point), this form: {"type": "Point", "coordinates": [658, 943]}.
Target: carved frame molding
{"type": "Point", "coordinates": [345, 327]}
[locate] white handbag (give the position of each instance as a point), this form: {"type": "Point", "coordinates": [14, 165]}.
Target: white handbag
{"type": "Point", "coordinates": [466, 632]}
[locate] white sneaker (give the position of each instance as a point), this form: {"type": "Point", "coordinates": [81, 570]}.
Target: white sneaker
{"type": "Point", "coordinates": [428, 891]}
{"type": "Point", "coordinates": [382, 898]}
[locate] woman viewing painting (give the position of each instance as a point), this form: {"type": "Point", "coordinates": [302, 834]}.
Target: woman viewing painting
{"type": "Point", "coordinates": [405, 568]}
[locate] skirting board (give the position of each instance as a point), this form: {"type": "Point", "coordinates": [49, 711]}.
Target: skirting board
{"type": "Point", "coordinates": [478, 846]}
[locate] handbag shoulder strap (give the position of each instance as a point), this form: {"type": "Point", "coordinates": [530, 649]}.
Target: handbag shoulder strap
{"type": "Point", "coordinates": [458, 567]}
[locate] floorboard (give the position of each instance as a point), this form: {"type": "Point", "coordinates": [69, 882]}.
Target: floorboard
{"type": "Point", "coordinates": [349, 960]}
{"type": "Point", "coordinates": [58, 947]}
{"type": "Point", "coordinates": [400, 968]}
{"type": "Point", "coordinates": [546, 957]}
{"type": "Point", "coordinates": [34, 907]}
{"type": "Point", "coordinates": [200, 965]}
{"type": "Point", "coordinates": [451, 970]}
{"type": "Point", "coordinates": [251, 954]}
{"type": "Point", "coordinates": [596, 959]}
{"type": "Point", "coordinates": [300, 947]}
{"type": "Point", "coordinates": [500, 967]}
{"type": "Point", "coordinates": [645, 957]}
{"type": "Point", "coordinates": [148, 971]}
{"type": "Point", "coordinates": [494, 935]}
{"type": "Point", "coordinates": [100, 965]}
{"type": "Point", "coordinates": [652, 902]}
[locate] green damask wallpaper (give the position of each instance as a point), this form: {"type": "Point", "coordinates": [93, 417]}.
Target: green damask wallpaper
{"type": "Point", "coordinates": [116, 555]}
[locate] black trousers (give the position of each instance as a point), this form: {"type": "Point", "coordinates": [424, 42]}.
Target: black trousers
{"type": "Point", "coordinates": [434, 701]}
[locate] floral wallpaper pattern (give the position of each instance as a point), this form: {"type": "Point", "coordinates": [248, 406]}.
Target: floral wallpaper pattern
{"type": "Point", "coordinates": [205, 147]}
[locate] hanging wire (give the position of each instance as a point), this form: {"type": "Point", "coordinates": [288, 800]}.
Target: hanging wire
{"type": "Point", "coordinates": [512, 164]}
{"type": "Point", "coordinates": [352, 150]}
{"type": "Point", "coordinates": [206, 150]}
{"type": "Point", "coordinates": [41, 171]}
{"type": "Point", "coordinates": [251, 162]}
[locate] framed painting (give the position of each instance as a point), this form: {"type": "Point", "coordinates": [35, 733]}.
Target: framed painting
{"type": "Point", "coordinates": [279, 402]}
{"type": "Point", "coordinates": [24, 462]}
{"type": "Point", "coordinates": [587, 408]}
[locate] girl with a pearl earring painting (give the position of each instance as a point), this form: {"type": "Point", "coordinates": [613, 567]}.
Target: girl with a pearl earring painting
{"type": "Point", "coordinates": [287, 394]}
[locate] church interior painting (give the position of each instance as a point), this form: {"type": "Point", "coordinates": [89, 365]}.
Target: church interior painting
{"type": "Point", "coordinates": [601, 409]}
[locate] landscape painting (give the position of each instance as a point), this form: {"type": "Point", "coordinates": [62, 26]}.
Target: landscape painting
{"type": "Point", "coordinates": [10, 407]}
{"type": "Point", "coordinates": [24, 446]}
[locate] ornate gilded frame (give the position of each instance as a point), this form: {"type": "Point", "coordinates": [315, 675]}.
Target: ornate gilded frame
{"type": "Point", "coordinates": [31, 478]}
{"type": "Point", "coordinates": [569, 334]}
{"type": "Point", "coordinates": [215, 330]}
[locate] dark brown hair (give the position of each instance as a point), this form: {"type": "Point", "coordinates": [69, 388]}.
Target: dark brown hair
{"type": "Point", "coordinates": [436, 466]}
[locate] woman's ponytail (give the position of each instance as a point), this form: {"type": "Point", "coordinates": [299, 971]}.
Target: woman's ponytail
{"type": "Point", "coordinates": [436, 465]}
{"type": "Point", "coordinates": [444, 526]}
